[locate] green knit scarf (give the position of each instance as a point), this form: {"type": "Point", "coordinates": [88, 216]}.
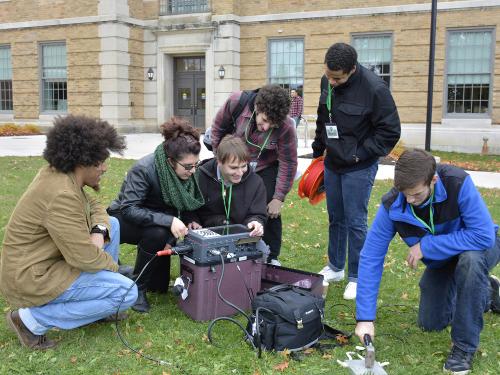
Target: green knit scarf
{"type": "Point", "coordinates": [183, 195]}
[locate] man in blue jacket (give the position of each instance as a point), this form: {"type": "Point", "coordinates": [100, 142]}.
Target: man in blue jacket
{"type": "Point", "coordinates": [440, 215]}
{"type": "Point", "coordinates": [357, 123]}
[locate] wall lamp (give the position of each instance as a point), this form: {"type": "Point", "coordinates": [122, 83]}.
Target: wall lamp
{"type": "Point", "coordinates": [222, 72]}
{"type": "Point", "coordinates": [151, 74]}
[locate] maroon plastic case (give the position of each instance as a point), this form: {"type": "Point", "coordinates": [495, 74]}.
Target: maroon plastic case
{"type": "Point", "coordinates": [274, 275]}
{"type": "Point", "coordinates": [203, 303]}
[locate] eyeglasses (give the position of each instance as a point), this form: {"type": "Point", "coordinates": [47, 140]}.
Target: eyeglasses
{"type": "Point", "coordinates": [188, 167]}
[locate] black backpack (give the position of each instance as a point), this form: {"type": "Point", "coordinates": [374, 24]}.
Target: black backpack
{"type": "Point", "coordinates": [289, 317]}
{"type": "Point", "coordinates": [227, 125]}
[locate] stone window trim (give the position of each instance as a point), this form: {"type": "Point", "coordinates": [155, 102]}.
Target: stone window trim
{"type": "Point", "coordinates": [294, 79]}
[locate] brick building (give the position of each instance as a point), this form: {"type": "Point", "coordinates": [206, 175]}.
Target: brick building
{"type": "Point", "coordinates": [97, 57]}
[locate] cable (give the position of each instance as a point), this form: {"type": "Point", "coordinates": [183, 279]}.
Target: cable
{"type": "Point", "coordinates": [117, 326]}
{"type": "Point", "coordinates": [311, 184]}
{"type": "Point", "coordinates": [248, 336]}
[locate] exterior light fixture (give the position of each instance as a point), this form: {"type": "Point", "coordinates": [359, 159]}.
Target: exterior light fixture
{"type": "Point", "coordinates": [151, 74]}
{"type": "Point", "coordinates": [222, 72]}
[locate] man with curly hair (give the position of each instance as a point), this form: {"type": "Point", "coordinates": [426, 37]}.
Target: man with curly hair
{"type": "Point", "coordinates": [269, 134]}
{"type": "Point", "coordinates": [357, 123]}
{"type": "Point", "coordinates": [58, 265]}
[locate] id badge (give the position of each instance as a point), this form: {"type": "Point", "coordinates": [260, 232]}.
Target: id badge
{"type": "Point", "coordinates": [253, 165]}
{"type": "Point", "coordinates": [331, 130]}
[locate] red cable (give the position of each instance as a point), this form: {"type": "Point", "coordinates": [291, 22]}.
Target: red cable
{"type": "Point", "coordinates": [311, 180]}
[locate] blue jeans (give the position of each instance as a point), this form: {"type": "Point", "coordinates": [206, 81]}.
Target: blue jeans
{"type": "Point", "coordinates": [347, 196]}
{"type": "Point", "coordinates": [458, 294]}
{"type": "Point", "coordinates": [91, 297]}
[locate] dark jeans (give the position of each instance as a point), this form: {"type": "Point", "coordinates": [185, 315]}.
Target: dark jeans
{"type": "Point", "coordinates": [458, 294]}
{"type": "Point", "coordinates": [273, 227]}
{"type": "Point", "coordinates": [149, 240]}
{"type": "Point", "coordinates": [347, 196]}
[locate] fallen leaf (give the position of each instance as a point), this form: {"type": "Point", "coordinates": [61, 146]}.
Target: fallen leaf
{"type": "Point", "coordinates": [327, 356]}
{"type": "Point", "coordinates": [73, 359]}
{"type": "Point", "coordinates": [342, 339]}
{"type": "Point", "coordinates": [404, 296]}
{"type": "Point", "coordinates": [309, 351]}
{"type": "Point", "coordinates": [281, 366]}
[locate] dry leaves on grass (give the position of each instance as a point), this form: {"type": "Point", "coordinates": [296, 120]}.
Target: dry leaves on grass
{"type": "Point", "coordinates": [282, 366]}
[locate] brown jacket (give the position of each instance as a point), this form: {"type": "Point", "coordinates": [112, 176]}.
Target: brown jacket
{"type": "Point", "coordinates": [47, 240]}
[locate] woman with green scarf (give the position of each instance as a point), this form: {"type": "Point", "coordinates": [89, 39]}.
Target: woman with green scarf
{"type": "Point", "coordinates": [154, 195]}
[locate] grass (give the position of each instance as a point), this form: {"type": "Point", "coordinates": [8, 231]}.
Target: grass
{"type": "Point", "coordinates": [168, 334]}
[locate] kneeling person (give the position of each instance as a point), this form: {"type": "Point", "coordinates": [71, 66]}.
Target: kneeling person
{"type": "Point", "coordinates": [58, 264]}
{"type": "Point", "coordinates": [234, 194]}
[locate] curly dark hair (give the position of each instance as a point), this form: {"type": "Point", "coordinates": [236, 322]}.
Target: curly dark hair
{"type": "Point", "coordinates": [181, 138]}
{"type": "Point", "coordinates": [341, 56]}
{"type": "Point", "coordinates": [80, 141]}
{"type": "Point", "coordinates": [274, 102]}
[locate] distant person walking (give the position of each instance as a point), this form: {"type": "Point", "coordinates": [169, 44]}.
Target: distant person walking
{"type": "Point", "coordinates": [296, 106]}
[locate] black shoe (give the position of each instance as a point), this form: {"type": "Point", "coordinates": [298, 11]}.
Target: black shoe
{"type": "Point", "coordinates": [142, 304]}
{"type": "Point", "coordinates": [127, 271]}
{"type": "Point", "coordinates": [458, 362]}
{"type": "Point", "coordinates": [495, 294]}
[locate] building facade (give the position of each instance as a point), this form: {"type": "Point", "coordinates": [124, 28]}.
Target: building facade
{"type": "Point", "coordinates": [135, 63]}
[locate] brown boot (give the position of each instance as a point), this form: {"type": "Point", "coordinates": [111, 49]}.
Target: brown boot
{"type": "Point", "coordinates": [28, 339]}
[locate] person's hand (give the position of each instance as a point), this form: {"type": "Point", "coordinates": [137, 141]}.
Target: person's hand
{"type": "Point", "coordinates": [414, 255]}
{"type": "Point", "coordinates": [178, 228]}
{"type": "Point", "coordinates": [274, 208]}
{"type": "Point", "coordinates": [362, 328]}
{"type": "Point", "coordinates": [257, 228]}
{"type": "Point", "coordinates": [194, 225]}
{"type": "Point", "coordinates": [97, 239]}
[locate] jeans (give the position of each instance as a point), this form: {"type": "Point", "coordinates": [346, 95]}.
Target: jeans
{"type": "Point", "coordinates": [149, 239]}
{"type": "Point", "coordinates": [458, 294]}
{"type": "Point", "coordinates": [91, 297]}
{"type": "Point", "coordinates": [274, 227]}
{"type": "Point", "coordinates": [347, 196]}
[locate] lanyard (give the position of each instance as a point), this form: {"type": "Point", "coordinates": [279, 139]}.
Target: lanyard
{"type": "Point", "coordinates": [260, 148]}
{"type": "Point", "coordinates": [431, 216]}
{"type": "Point", "coordinates": [227, 206]}
{"type": "Point", "coordinates": [329, 102]}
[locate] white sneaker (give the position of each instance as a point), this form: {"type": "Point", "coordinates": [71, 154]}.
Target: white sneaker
{"type": "Point", "coordinates": [350, 290]}
{"type": "Point", "coordinates": [275, 262]}
{"type": "Point", "coordinates": [331, 275]}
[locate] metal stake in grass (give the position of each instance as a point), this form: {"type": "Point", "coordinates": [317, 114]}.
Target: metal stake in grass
{"type": "Point", "coordinates": [367, 366]}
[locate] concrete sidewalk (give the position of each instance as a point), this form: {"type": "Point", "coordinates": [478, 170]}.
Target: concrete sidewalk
{"type": "Point", "coordinates": [141, 144]}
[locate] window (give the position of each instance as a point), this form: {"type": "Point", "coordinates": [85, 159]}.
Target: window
{"type": "Point", "coordinates": [5, 79]}
{"type": "Point", "coordinates": [469, 69]}
{"type": "Point", "coordinates": [375, 53]}
{"type": "Point", "coordinates": [286, 63]}
{"type": "Point", "coordinates": [54, 73]}
{"type": "Point", "coordinates": [183, 6]}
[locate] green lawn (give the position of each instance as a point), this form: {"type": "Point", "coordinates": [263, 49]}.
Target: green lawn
{"type": "Point", "coordinates": [168, 334]}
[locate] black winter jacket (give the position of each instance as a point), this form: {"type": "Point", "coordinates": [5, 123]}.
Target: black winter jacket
{"type": "Point", "coordinates": [367, 122]}
{"type": "Point", "coordinates": [140, 200]}
{"type": "Point", "coordinates": [248, 202]}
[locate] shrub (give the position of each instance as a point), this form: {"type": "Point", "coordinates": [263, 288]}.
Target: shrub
{"type": "Point", "coordinates": [11, 129]}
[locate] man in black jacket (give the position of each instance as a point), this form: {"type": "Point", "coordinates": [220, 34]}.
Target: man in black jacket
{"type": "Point", "coordinates": [233, 193]}
{"type": "Point", "coordinates": [357, 123]}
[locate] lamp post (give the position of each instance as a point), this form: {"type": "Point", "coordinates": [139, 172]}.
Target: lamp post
{"type": "Point", "coordinates": [430, 79]}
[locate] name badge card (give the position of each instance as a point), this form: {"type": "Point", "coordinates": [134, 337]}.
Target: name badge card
{"type": "Point", "coordinates": [331, 130]}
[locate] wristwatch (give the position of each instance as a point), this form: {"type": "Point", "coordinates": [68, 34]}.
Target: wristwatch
{"type": "Point", "coordinates": [99, 228]}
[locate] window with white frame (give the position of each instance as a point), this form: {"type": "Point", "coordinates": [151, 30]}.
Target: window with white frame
{"type": "Point", "coordinates": [6, 103]}
{"type": "Point", "coordinates": [183, 6]}
{"type": "Point", "coordinates": [468, 71]}
{"type": "Point", "coordinates": [286, 63]}
{"type": "Point", "coordinates": [54, 74]}
{"type": "Point", "coordinates": [375, 53]}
